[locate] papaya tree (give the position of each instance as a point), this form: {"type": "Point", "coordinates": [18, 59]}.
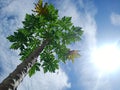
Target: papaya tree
{"type": "Point", "coordinates": [42, 42]}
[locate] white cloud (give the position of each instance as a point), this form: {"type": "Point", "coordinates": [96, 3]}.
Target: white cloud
{"type": "Point", "coordinates": [48, 81]}
{"type": "Point", "coordinates": [83, 14]}
{"type": "Point", "coordinates": [115, 19]}
{"type": "Point", "coordinates": [11, 16]}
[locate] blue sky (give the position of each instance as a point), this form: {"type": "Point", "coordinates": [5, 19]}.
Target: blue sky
{"type": "Point", "coordinates": [100, 20]}
{"type": "Point", "coordinates": [106, 10]}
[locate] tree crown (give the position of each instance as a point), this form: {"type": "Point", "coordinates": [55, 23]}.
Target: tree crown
{"type": "Point", "coordinates": [45, 24]}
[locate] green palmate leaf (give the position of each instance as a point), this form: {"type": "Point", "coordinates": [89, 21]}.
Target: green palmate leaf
{"type": "Point", "coordinates": [15, 46]}
{"type": "Point", "coordinates": [25, 53]}
{"type": "Point", "coordinates": [48, 59]}
{"type": "Point", "coordinates": [32, 71]}
{"type": "Point", "coordinates": [34, 68]}
{"type": "Point", "coordinates": [50, 66]}
{"type": "Point", "coordinates": [12, 38]}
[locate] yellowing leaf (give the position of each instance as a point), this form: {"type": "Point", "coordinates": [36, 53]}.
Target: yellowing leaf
{"type": "Point", "coordinates": [73, 54]}
{"type": "Point", "coordinates": [40, 9]}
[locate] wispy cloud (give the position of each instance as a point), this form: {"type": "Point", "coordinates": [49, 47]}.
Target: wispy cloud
{"type": "Point", "coordinates": [83, 14]}
{"type": "Point", "coordinates": [11, 16]}
{"type": "Point", "coordinates": [115, 19]}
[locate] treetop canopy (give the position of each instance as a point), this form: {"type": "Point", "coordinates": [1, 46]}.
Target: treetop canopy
{"type": "Point", "coordinates": [45, 24]}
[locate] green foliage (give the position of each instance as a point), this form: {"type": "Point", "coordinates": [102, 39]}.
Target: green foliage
{"type": "Point", "coordinates": [48, 60]}
{"type": "Point", "coordinates": [37, 27]}
{"type": "Point", "coordinates": [35, 67]}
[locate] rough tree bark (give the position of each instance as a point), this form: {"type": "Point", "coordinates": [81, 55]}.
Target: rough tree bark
{"type": "Point", "coordinates": [16, 77]}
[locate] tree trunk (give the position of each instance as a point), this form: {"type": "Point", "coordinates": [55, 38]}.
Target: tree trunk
{"type": "Point", "coordinates": [16, 77]}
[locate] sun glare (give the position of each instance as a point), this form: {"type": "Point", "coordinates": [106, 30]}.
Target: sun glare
{"type": "Point", "coordinates": [106, 58]}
